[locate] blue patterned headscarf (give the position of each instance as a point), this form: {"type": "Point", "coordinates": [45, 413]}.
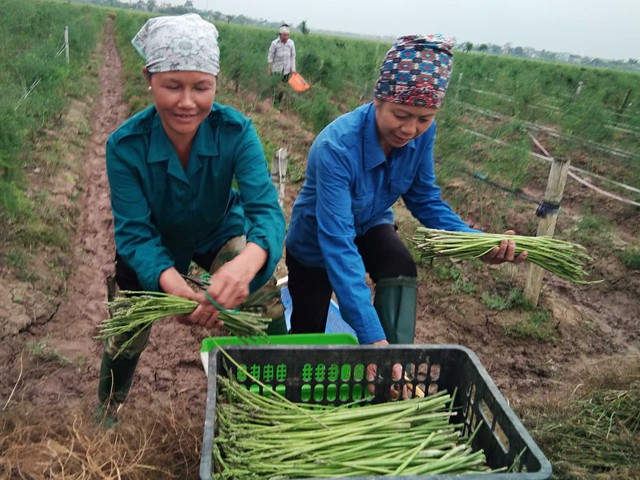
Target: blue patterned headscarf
{"type": "Point", "coordinates": [179, 43]}
{"type": "Point", "coordinates": [416, 71]}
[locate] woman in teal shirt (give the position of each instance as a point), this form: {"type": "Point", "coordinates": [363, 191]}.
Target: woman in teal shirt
{"type": "Point", "coordinates": [172, 170]}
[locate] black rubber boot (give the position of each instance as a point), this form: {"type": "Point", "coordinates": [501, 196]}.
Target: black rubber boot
{"type": "Point", "coordinates": [278, 326]}
{"type": "Point", "coordinates": [396, 302]}
{"type": "Point", "coordinates": [115, 381]}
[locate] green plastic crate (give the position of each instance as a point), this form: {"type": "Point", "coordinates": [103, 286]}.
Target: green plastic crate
{"type": "Point", "coordinates": [336, 374]}
{"type": "Point", "coordinates": [210, 343]}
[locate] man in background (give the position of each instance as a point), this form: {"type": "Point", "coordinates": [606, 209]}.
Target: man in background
{"type": "Point", "coordinates": [281, 60]}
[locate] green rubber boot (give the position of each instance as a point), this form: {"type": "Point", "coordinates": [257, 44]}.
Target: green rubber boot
{"type": "Point", "coordinates": [278, 326]}
{"type": "Point", "coordinates": [116, 376]}
{"type": "Point", "coordinates": [396, 302]}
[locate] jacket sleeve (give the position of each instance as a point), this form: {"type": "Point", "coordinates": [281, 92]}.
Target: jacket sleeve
{"type": "Point", "coordinates": [293, 56]}
{"type": "Point", "coordinates": [137, 240]}
{"type": "Point", "coordinates": [264, 216]}
{"type": "Point", "coordinates": [272, 52]}
{"type": "Point", "coordinates": [424, 199]}
{"type": "Point", "coordinates": [336, 234]}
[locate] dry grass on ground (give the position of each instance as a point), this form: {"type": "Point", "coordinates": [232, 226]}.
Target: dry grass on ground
{"type": "Point", "coordinates": [595, 433]}
{"type": "Point", "coordinates": [70, 445]}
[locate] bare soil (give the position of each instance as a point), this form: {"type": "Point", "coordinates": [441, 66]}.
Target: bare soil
{"type": "Point", "coordinates": [50, 360]}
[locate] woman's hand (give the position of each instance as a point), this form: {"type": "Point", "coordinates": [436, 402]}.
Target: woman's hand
{"type": "Point", "coordinates": [229, 288]}
{"type": "Point", "coordinates": [372, 372]}
{"type": "Point", "coordinates": [205, 313]}
{"type": "Point", "coordinates": [230, 283]}
{"type": "Point", "coordinates": [506, 252]}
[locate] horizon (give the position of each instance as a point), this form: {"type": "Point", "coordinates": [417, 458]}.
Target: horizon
{"type": "Point", "coordinates": [556, 26]}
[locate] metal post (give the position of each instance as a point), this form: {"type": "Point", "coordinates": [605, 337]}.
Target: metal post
{"type": "Point", "coordinates": [66, 43]}
{"type": "Point", "coordinates": [546, 227]}
{"type": "Point", "coordinates": [279, 172]}
{"type": "Point", "coordinates": [623, 105]}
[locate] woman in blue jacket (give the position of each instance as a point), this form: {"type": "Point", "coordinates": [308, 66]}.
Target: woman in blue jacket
{"type": "Point", "coordinates": [173, 170]}
{"type": "Point", "coordinates": [342, 224]}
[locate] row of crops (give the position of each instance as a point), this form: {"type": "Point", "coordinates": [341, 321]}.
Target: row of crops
{"type": "Point", "coordinates": [35, 81]}
{"type": "Point", "coordinates": [494, 108]}
{"type": "Point", "coordinates": [342, 71]}
{"type": "Point", "coordinates": [591, 111]}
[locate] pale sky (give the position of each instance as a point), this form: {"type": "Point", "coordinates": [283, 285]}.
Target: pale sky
{"type": "Point", "coordinates": [606, 29]}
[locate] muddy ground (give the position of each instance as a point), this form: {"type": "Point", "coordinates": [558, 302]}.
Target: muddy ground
{"type": "Point", "coordinates": [50, 360]}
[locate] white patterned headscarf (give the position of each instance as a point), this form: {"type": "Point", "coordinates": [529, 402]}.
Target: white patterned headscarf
{"type": "Point", "coordinates": [179, 43]}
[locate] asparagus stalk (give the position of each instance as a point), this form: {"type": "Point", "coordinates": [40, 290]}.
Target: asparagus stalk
{"type": "Point", "coordinates": [564, 259]}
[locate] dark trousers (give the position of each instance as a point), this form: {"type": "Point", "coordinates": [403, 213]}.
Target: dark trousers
{"type": "Point", "coordinates": [384, 255]}
{"type": "Point", "coordinates": [280, 86]}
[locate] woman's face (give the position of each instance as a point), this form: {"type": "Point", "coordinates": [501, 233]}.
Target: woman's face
{"type": "Point", "coordinates": [183, 100]}
{"type": "Point", "coordinates": [398, 124]}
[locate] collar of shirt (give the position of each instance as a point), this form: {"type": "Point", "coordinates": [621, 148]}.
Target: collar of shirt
{"type": "Point", "coordinates": [161, 149]}
{"type": "Point", "coordinates": [371, 148]}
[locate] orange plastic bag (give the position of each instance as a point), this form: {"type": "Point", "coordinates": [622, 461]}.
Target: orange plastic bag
{"type": "Point", "coordinates": [298, 83]}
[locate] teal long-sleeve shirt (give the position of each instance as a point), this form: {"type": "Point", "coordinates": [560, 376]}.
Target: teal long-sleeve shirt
{"type": "Point", "coordinates": [164, 213]}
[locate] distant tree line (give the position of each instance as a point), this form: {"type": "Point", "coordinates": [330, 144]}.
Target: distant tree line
{"type": "Point", "coordinates": [153, 6]}
{"type": "Point", "coordinates": [166, 8]}
{"type": "Point", "coordinates": [631, 64]}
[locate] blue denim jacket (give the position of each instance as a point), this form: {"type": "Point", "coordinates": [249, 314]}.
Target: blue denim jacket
{"type": "Point", "coordinates": [350, 187]}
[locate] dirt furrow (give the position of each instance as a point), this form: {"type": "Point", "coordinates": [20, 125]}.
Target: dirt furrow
{"type": "Point", "coordinates": [85, 305]}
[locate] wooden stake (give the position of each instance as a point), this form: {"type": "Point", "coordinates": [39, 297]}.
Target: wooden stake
{"type": "Point", "coordinates": [546, 227]}
{"type": "Point", "coordinates": [66, 43]}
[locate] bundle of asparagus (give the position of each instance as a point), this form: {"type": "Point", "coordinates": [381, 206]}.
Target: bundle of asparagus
{"type": "Point", "coordinates": [265, 437]}
{"type": "Point", "coordinates": [137, 311]}
{"type": "Point", "coordinates": [559, 257]}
